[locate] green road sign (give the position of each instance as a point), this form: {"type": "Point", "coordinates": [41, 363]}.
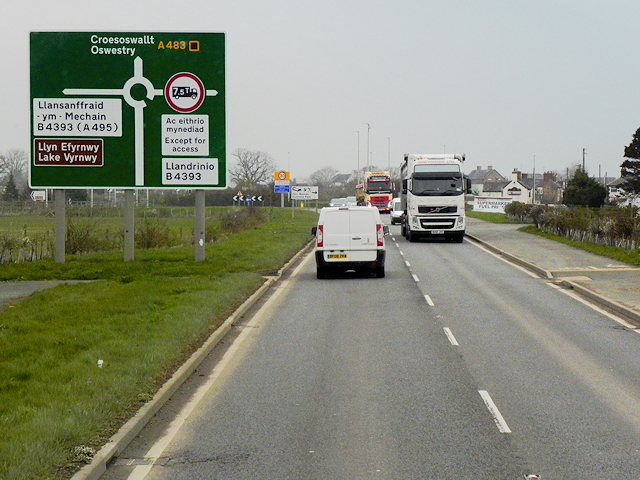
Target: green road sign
{"type": "Point", "coordinates": [128, 110]}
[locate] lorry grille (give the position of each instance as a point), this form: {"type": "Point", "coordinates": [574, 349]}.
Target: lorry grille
{"type": "Point", "coordinates": [425, 209]}
{"type": "Point", "coordinates": [438, 223]}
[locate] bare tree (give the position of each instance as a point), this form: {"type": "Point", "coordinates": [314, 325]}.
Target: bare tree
{"type": "Point", "coordinates": [252, 168]}
{"type": "Point", "coordinates": [14, 162]}
{"type": "Point", "coordinates": [323, 177]}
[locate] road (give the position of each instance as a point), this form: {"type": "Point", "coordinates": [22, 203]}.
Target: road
{"type": "Point", "coordinates": [457, 365]}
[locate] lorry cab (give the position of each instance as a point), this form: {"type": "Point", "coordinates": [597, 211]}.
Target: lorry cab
{"type": "Point", "coordinates": [350, 238]}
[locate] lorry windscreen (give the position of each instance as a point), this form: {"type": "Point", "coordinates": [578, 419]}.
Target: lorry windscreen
{"type": "Point", "coordinates": [437, 184]}
{"type": "Point", "coordinates": [379, 184]}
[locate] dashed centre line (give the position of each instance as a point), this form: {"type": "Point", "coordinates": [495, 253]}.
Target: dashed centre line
{"type": "Point", "coordinates": [452, 339]}
{"type": "Point", "coordinates": [493, 409]}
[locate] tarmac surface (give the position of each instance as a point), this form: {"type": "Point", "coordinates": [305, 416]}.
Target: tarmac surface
{"type": "Point", "coordinates": [617, 282]}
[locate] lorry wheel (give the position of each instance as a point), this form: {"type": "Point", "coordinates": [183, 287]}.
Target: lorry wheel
{"type": "Point", "coordinates": [458, 238]}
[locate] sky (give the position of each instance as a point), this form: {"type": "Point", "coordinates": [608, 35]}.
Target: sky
{"type": "Point", "coordinates": [512, 84]}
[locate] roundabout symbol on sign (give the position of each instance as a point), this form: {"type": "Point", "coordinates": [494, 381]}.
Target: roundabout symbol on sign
{"type": "Point", "coordinates": [184, 92]}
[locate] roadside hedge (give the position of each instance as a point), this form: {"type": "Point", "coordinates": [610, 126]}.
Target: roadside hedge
{"type": "Point", "coordinates": [610, 226]}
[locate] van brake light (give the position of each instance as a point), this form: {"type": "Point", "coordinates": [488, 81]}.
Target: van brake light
{"type": "Point", "coordinates": [380, 233]}
{"type": "Point", "coordinates": [319, 236]}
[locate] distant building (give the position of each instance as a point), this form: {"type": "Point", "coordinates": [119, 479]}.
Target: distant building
{"type": "Point", "coordinates": [618, 196]}
{"type": "Point", "coordinates": [514, 189]}
{"type": "Point", "coordinates": [480, 177]}
{"type": "Point", "coordinates": [341, 179]}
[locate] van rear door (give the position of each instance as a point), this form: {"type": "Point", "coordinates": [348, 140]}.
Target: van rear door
{"type": "Point", "coordinates": [363, 235]}
{"type": "Point", "coordinates": [336, 230]}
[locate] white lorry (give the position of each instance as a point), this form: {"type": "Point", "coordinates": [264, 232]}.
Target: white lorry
{"type": "Point", "coordinates": [433, 196]}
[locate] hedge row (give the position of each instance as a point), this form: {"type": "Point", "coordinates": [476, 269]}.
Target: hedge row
{"type": "Point", "coordinates": [612, 226]}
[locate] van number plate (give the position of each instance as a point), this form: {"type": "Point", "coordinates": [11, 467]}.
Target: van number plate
{"type": "Point", "coordinates": [337, 255]}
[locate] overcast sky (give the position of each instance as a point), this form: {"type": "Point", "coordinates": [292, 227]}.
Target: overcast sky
{"type": "Point", "coordinates": [503, 81]}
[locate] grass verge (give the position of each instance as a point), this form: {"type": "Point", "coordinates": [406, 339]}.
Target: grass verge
{"type": "Point", "coordinates": [141, 318]}
{"type": "Point", "coordinates": [631, 257]}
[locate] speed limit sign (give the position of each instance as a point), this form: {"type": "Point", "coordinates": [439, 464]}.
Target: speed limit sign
{"type": "Point", "coordinates": [282, 176]}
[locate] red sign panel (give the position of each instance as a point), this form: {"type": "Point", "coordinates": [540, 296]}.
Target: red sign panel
{"type": "Point", "coordinates": [68, 152]}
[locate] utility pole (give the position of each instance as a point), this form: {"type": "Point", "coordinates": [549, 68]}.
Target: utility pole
{"type": "Point", "coordinates": [584, 152]}
{"type": "Point", "coordinates": [533, 193]}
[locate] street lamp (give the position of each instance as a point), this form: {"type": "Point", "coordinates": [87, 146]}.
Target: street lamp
{"type": "Point", "coordinates": [358, 170]}
{"type": "Point", "coordinates": [368, 128]}
{"type": "Point", "coordinates": [389, 151]}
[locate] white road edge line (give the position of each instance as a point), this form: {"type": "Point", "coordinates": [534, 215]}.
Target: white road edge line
{"type": "Point", "coordinates": [531, 274]}
{"type": "Point", "coordinates": [452, 339]}
{"type": "Point", "coordinates": [497, 416]}
{"type": "Point", "coordinates": [140, 472]}
{"type": "Point", "coordinates": [613, 317]}
{"type": "Point", "coordinates": [429, 301]}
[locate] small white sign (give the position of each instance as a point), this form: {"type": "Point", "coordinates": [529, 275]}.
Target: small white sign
{"type": "Point", "coordinates": [185, 135]}
{"type": "Point", "coordinates": [77, 117]}
{"type": "Point", "coordinates": [189, 171]}
{"type": "Point", "coordinates": [38, 195]}
{"type": "Point", "coordinates": [304, 193]}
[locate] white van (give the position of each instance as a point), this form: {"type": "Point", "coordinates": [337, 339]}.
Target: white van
{"type": "Point", "coordinates": [350, 238]}
{"type": "Point", "coordinates": [396, 211]}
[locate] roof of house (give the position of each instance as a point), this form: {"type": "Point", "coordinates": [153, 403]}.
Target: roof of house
{"type": "Point", "coordinates": [494, 186]}
{"type": "Point", "coordinates": [481, 174]}
{"type": "Point", "coordinates": [341, 178]}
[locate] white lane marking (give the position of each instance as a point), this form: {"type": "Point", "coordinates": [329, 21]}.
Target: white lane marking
{"type": "Point", "coordinates": [415, 277]}
{"type": "Point", "coordinates": [140, 472]}
{"type": "Point", "coordinates": [452, 339]}
{"type": "Point", "coordinates": [401, 253]}
{"type": "Point", "coordinates": [612, 316]}
{"type": "Point", "coordinates": [497, 416]}
{"type": "Point", "coordinates": [408, 264]}
{"type": "Point", "coordinates": [531, 274]}
{"type": "Point", "coordinates": [429, 301]}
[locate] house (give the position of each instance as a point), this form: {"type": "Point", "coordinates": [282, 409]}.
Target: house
{"type": "Point", "coordinates": [341, 179]}
{"type": "Point", "coordinates": [480, 177]}
{"type": "Point", "coordinates": [548, 189]}
{"type": "Point", "coordinates": [515, 189]}
{"type": "Point", "coordinates": [618, 196]}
